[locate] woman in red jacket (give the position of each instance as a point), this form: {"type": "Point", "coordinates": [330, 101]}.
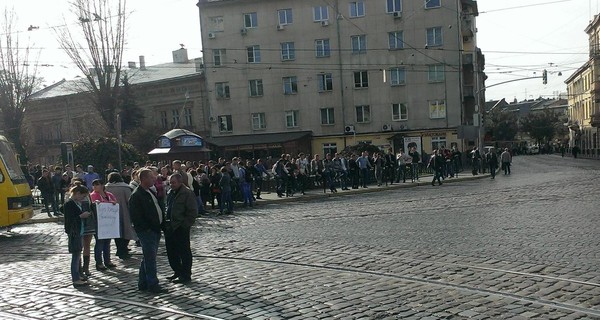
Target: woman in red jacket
{"type": "Point", "coordinates": [102, 247]}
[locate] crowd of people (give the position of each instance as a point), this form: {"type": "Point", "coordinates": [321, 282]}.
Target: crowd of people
{"type": "Point", "coordinates": [166, 198]}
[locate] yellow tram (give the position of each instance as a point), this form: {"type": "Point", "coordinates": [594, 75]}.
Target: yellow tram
{"type": "Point", "coordinates": [15, 195]}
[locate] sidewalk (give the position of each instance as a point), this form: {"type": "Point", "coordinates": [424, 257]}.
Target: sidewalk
{"type": "Point", "coordinates": [312, 194]}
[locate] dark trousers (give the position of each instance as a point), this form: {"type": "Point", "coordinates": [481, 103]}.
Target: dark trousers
{"type": "Point", "coordinates": [354, 176]}
{"type": "Point", "coordinates": [147, 276]}
{"type": "Point", "coordinates": [102, 251]}
{"type": "Point", "coordinates": [179, 251]}
{"type": "Point", "coordinates": [226, 201]}
{"type": "Point", "coordinates": [259, 185]}
{"type": "Point", "coordinates": [437, 175]}
{"type": "Point", "coordinates": [506, 167]}
{"type": "Point", "coordinates": [49, 203]}
{"type": "Point", "coordinates": [364, 176]}
{"type": "Point", "coordinates": [121, 245]}
{"type": "Point", "coordinates": [493, 168]}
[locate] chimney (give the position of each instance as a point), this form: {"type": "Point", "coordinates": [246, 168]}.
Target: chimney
{"type": "Point", "coordinates": [180, 56]}
{"type": "Point", "coordinates": [131, 64]}
{"type": "Point", "coordinates": [142, 63]}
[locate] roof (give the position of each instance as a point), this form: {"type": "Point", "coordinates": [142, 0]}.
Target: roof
{"type": "Point", "coordinates": [492, 104]}
{"type": "Point", "coordinates": [251, 139]}
{"type": "Point", "coordinates": [159, 72]}
{"type": "Point", "coordinates": [581, 69]}
{"type": "Point", "coordinates": [178, 133]}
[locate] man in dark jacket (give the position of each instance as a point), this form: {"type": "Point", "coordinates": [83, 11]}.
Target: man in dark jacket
{"type": "Point", "coordinates": [147, 217]}
{"type": "Point", "coordinates": [182, 211]}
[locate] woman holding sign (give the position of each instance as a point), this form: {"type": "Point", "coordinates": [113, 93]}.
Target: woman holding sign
{"type": "Point", "coordinates": [102, 247]}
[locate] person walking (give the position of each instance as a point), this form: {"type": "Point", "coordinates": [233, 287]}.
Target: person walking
{"type": "Point", "coordinates": [181, 213]}
{"type": "Point", "coordinates": [102, 246]}
{"type": "Point", "coordinates": [74, 212]}
{"type": "Point", "coordinates": [506, 159]}
{"type": "Point", "coordinates": [46, 188]}
{"type": "Point", "coordinates": [492, 161]}
{"type": "Point", "coordinates": [147, 217]}
{"type": "Point", "coordinates": [122, 192]}
{"type": "Point", "coordinates": [437, 162]}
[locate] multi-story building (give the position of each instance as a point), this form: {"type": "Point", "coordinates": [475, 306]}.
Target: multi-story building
{"type": "Point", "coordinates": [583, 89]}
{"type": "Point", "coordinates": [317, 76]}
{"type": "Point", "coordinates": [170, 95]}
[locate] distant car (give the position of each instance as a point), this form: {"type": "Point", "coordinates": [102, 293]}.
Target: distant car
{"type": "Point", "coordinates": [533, 149]}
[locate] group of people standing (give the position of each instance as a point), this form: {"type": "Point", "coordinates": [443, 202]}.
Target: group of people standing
{"type": "Point", "coordinates": [143, 216]}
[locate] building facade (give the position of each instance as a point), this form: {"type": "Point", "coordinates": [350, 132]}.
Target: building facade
{"type": "Point", "coordinates": [583, 89]}
{"type": "Point", "coordinates": [382, 72]}
{"type": "Point", "coordinates": [170, 95]}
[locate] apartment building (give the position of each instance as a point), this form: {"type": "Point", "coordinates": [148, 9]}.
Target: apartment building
{"type": "Point", "coordinates": [583, 89]}
{"type": "Point", "coordinates": [318, 76]}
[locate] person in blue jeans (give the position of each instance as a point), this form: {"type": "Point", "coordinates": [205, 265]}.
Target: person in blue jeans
{"type": "Point", "coordinates": [74, 212]}
{"type": "Point", "coordinates": [363, 166]}
{"type": "Point", "coordinates": [147, 216]}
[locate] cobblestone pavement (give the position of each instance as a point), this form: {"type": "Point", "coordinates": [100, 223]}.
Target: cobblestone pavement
{"type": "Point", "coordinates": [520, 246]}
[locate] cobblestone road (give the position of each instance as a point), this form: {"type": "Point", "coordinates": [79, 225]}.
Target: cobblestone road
{"type": "Point", "coordinates": [521, 246]}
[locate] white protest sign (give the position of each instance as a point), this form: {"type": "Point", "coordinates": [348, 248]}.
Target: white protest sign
{"type": "Point", "coordinates": [108, 220]}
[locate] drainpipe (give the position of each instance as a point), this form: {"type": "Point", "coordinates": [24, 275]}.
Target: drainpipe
{"type": "Point", "coordinates": [340, 64]}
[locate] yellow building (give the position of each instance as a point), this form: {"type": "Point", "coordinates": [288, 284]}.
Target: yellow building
{"type": "Point", "coordinates": [583, 89]}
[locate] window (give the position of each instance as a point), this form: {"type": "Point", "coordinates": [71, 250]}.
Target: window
{"type": "Point", "coordinates": [359, 44]}
{"type": "Point", "coordinates": [175, 118]}
{"type": "Point", "coordinates": [187, 117]}
{"type": "Point", "coordinates": [219, 57]}
{"type": "Point", "coordinates": [216, 24]}
{"type": "Point", "coordinates": [330, 148]}
{"type": "Point", "coordinates": [327, 116]}
{"type": "Point", "coordinates": [163, 120]}
{"type": "Point", "coordinates": [397, 76]}
{"type": "Point", "coordinates": [434, 36]}
{"type": "Point", "coordinates": [287, 51]}
{"type": "Point", "coordinates": [250, 20]}
{"type": "Point", "coordinates": [256, 87]}
{"type": "Point", "coordinates": [325, 82]}
{"type": "Point", "coordinates": [433, 4]}
{"type": "Point", "coordinates": [258, 121]}
{"type": "Point", "coordinates": [436, 73]}
{"type": "Point", "coordinates": [222, 90]}
{"type": "Point", "coordinates": [253, 54]}
{"type": "Point", "coordinates": [285, 16]}
{"type": "Point", "coordinates": [322, 48]}
{"type": "Point", "coordinates": [396, 40]}
{"type": "Point", "coordinates": [320, 13]}
{"type": "Point", "coordinates": [437, 109]}
{"type": "Point", "coordinates": [291, 119]}
{"type": "Point", "coordinates": [290, 85]}
{"type": "Point", "coordinates": [357, 9]}
{"type": "Point", "coordinates": [225, 123]}
{"type": "Point", "coordinates": [399, 112]}
{"type": "Point", "coordinates": [363, 114]}
{"type": "Point", "coordinates": [438, 142]}
{"type": "Point", "coordinates": [394, 6]}
{"type": "Point", "coordinates": [361, 79]}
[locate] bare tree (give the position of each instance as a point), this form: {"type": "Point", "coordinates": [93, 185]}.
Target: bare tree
{"type": "Point", "coordinates": [18, 79]}
{"type": "Point", "coordinates": [96, 47]}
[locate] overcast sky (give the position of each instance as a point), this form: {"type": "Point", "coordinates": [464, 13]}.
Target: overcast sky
{"type": "Point", "coordinates": [520, 38]}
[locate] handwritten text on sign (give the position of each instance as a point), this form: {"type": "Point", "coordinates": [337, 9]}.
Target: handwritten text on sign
{"type": "Point", "coordinates": [108, 221]}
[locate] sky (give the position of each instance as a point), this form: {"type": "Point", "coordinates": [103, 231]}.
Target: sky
{"type": "Point", "coordinates": [520, 38]}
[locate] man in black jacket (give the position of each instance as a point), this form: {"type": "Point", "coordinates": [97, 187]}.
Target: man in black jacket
{"type": "Point", "coordinates": [181, 214]}
{"type": "Point", "coordinates": [147, 217]}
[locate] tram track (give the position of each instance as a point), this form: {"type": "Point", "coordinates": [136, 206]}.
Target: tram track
{"type": "Point", "coordinates": [468, 288]}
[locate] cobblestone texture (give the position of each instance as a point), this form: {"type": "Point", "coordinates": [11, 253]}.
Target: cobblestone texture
{"type": "Point", "coordinates": [524, 246]}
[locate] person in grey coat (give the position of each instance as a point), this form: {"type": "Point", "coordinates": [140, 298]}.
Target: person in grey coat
{"type": "Point", "coordinates": [122, 191]}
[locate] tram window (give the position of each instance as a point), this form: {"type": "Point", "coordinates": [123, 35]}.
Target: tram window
{"type": "Point", "coordinates": [1, 177]}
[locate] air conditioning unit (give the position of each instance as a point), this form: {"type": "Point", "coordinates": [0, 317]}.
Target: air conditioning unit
{"type": "Point", "coordinates": [212, 119]}
{"type": "Point", "coordinates": [349, 130]}
{"type": "Point", "coordinates": [397, 15]}
{"type": "Point", "coordinates": [386, 127]}
{"type": "Point", "coordinates": [244, 31]}
{"type": "Point", "coordinates": [280, 27]}
{"type": "Point", "coordinates": [403, 127]}
{"type": "Point", "coordinates": [212, 35]}
{"type": "Point", "coordinates": [324, 23]}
